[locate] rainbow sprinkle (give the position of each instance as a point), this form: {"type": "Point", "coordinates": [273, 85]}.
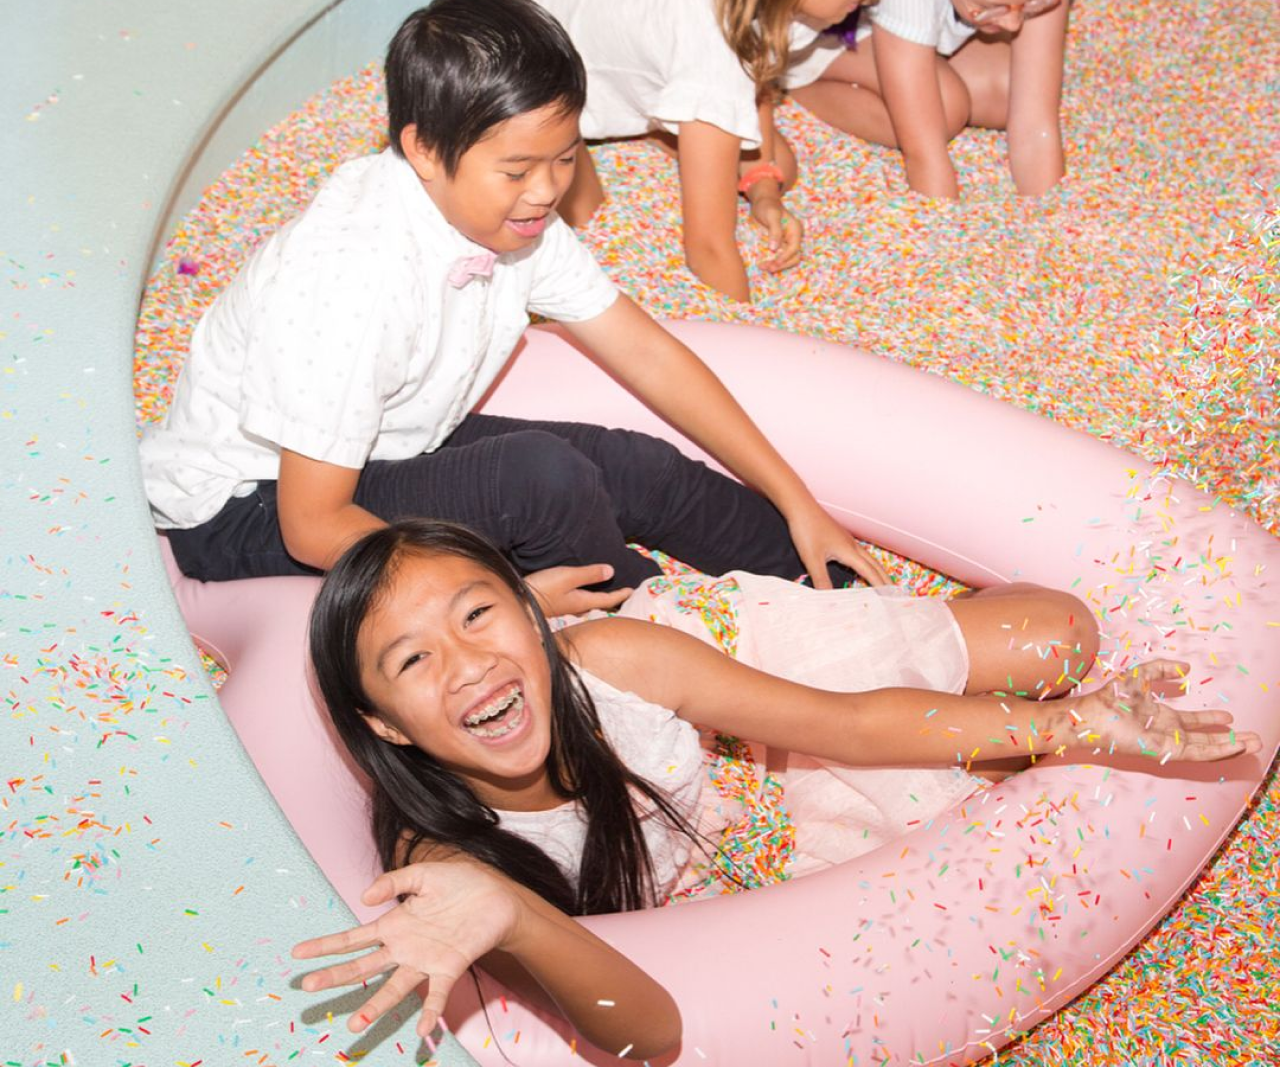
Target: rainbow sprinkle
{"type": "Point", "coordinates": [1136, 302]}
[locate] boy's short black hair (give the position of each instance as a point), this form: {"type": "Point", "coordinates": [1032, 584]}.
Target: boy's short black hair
{"type": "Point", "coordinates": [457, 68]}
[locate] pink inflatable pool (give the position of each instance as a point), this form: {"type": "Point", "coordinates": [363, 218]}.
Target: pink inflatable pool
{"type": "Point", "coordinates": [939, 947]}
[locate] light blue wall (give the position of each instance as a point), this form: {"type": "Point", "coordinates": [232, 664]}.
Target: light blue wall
{"type": "Point", "coordinates": [149, 888]}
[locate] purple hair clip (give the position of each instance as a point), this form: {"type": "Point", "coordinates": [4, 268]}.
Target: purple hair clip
{"type": "Point", "coordinates": [847, 28]}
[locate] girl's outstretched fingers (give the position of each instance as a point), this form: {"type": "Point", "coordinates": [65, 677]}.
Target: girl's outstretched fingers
{"type": "Point", "coordinates": [1169, 677]}
{"type": "Point", "coordinates": [347, 973]}
{"type": "Point", "coordinates": [333, 945]}
{"type": "Point", "coordinates": [452, 914]}
{"type": "Point", "coordinates": [1126, 717]}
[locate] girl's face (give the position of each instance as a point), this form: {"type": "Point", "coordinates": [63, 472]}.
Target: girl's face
{"type": "Point", "coordinates": [453, 663]}
{"type": "Point", "coordinates": [826, 12]}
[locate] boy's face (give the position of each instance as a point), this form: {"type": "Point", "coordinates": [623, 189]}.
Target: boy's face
{"type": "Point", "coordinates": [506, 184]}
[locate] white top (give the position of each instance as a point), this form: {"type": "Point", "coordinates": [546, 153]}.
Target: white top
{"type": "Point", "coordinates": [929, 22]}
{"type": "Point", "coordinates": [342, 339]}
{"type": "Point", "coordinates": [653, 743]}
{"type": "Point", "coordinates": [653, 64]}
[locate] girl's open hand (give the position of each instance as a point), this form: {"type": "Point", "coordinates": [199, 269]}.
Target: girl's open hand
{"type": "Point", "coordinates": [1125, 717]}
{"type": "Point", "coordinates": [453, 913]}
{"type": "Point", "coordinates": [785, 233]}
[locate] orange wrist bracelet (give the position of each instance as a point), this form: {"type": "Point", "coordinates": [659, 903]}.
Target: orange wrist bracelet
{"type": "Point", "coordinates": [758, 172]}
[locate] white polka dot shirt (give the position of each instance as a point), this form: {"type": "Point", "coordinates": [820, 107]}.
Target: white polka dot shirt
{"type": "Point", "coordinates": [342, 339]}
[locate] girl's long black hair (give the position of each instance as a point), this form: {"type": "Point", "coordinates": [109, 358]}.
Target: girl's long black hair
{"type": "Point", "coordinates": [416, 801]}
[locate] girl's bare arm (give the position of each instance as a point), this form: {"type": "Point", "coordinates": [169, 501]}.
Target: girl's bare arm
{"type": "Point", "coordinates": [894, 727]}
{"type": "Point", "coordinates": [458, 911]}
{"type": "Point", "coordinates": [708, 158]}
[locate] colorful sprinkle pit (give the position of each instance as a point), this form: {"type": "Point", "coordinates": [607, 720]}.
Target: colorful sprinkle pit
{"type": "Point", "coordinates": [1136, 302]}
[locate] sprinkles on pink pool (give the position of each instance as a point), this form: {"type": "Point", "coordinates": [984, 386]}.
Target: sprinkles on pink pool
{"type": "Point", "coordinates": [1136, 302]}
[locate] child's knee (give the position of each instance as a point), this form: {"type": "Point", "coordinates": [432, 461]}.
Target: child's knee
{"type": "Point", "coordinates": [1065, 625]}
{"type": "Point", "coordinates": [548, 472]}
{"type": "Point", "coordinates": [956, 102]}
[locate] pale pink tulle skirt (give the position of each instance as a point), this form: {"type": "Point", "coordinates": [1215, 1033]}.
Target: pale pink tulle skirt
{"type": "Point", "coordinates": [848, 640]}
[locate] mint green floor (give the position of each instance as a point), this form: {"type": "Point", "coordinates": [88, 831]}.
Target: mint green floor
{"type": "Point", "coordinates": [149, 887]}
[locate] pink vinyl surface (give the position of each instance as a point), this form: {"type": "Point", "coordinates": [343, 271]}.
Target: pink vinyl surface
{"type": "Point", "coordinates": [936, 947]}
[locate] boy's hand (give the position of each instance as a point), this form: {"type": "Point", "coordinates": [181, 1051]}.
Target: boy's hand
{"type": "Point", "coordinates": [820, 540]}
{"type": "Point", "coordinates": [785, 230]}
{"type": "Point", "coordinates": [452, 914]}
{"type": "Point", "coordinates": [1125, 717]}
{"type": "Point", "coordinates": [560, 590]}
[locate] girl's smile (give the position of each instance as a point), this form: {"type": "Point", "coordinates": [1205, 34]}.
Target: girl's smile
{"type": "Point", "coordinates": [454, 665]}
{"type": "Point", "coordinates": [496, 717]}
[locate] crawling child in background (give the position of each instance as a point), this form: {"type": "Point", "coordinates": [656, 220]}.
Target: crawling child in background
{"type": "Point", "coordinates": [923, 70]}
{"type": "Point", "coordinates": [706, 73]}
{"type": "Point", "coordinates": [562, 773]}
{"type": "Point", "coordinates": [329, 389]}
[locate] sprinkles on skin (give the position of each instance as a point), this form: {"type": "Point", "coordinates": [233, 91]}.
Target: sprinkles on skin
{"type": "Point", "coordinates": [1136, 302]}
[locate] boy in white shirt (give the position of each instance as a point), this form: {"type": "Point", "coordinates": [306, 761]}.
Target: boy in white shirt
{"type": "Point", "coordinates": [328, 389]}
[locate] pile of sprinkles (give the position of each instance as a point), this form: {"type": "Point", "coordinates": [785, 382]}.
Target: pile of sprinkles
{"type": "Point", "coordinates": [1136, 302]}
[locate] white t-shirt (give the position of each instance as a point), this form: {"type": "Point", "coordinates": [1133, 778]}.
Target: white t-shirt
{"type": "Point", "coordinates": [653, 64]}
{"type": "Point", "coordinates": [343, 340]}
{"type": "Point", "coordinates": [653, 743]}
{"type": "Point", "coordinates": [928, 22]}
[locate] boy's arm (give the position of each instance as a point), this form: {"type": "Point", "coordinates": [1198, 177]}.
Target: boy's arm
{"type": "Point", "coordinates": [1035, 98]}
{"type": "Point", "coordinates": [908, 74]}
{"type": "Point", "coordinates": [319, 518]}
{"type": "Point", "coordinates": [667, 376]}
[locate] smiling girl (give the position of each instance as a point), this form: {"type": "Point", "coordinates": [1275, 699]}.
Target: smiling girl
{"type": "Point", "coordinates": [563, 772]}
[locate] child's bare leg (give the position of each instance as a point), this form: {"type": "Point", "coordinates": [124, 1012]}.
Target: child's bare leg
{"type": "Point", "coordinates": [1015, 82]}
{"type": "Point", "coordinates": [997, 770]}
{"type": "Point", "coordinates": [850, 98]}
{"type": "Point", "coordinates": [983, 65]}
{"type": "Point", "coordinates": [585, 195]}
{"type": "Point", "coordinates": [847, 96]}
{"type": "Point", "coordinates": [1026, 640]}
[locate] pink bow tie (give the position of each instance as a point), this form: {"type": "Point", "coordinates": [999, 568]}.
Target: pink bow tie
{"type": "Point", "coordinates": [468, 267]}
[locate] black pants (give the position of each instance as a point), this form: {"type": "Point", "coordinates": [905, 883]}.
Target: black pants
{"type": "Point", "coordinates": [546, 493]}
